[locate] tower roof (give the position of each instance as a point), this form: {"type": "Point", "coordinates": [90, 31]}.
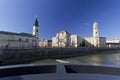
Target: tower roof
{"type": "Point", "coordinates": [95, 23]}
{"type": "Point", "coordinates": [36, 22]}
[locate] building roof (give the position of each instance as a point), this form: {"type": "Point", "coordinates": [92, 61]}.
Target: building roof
{"type": "Point", "coordinates": [18, 34]}
{"type": "Point", "coordinates": [102, 37]}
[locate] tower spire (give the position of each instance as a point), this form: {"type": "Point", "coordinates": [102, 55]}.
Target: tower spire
{"type": "Point", "coordinates": [36, 28]}
{"type": "Point", "coordinates": [36, 22]}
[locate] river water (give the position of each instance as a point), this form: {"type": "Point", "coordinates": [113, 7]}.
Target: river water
{"type": "Point", "coordinates": [104, 58]}
{"type": "Point", "coordinates": [109, 58]}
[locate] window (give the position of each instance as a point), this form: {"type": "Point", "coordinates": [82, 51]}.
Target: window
{"type": "Point", "coordinates": [36, 30]}
{"type": "Point", "coordinates": [27, 40]}
{"type": "Point", "coordinates": [20, 39]}
{"type": "Point", "coordinates": [33, 40]}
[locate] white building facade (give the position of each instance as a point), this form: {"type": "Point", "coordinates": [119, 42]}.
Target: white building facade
{"type": "Point", "coordinates": [64, 39]}
{"type": "Point", "coordinates": [113, 43]}
{"type": "Point", "coordinates": [61, 39]}
{"type": "Point", "coordinates": [20, 40]}
{"type": "Point", "coordinates": [89, 42]}
{"type": "Point", "coordinates": [95, 40]}
{"type": "Point", "coordinates": [75, 41]}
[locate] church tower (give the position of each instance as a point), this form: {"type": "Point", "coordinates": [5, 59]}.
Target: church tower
{"type": "Point", "coordinates": [95, 34]}
{"type": "Point", "coordinates": [95, 30]}
{"type": "Point", "coordinates": [36, 29]}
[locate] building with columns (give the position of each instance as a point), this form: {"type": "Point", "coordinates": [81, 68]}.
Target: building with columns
{"type": "Point", "coordinates": [20, 40]}
{"type": "Point", "coordinates": [64, 39]}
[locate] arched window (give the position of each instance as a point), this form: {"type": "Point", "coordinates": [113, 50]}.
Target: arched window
{"type": "Point", "coordinates": [36, 30]}
{"type": "Point", "coordinates": [33, 40]}
{"type": "Point", "coordinates": [27, 40]}
{"type": "Point", "coordinates": [20, 39]}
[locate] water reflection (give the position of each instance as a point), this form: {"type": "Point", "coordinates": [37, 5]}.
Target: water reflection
{"type": "Point", "coordinates": [104, 58]}
{"type": "Point", "coordinates": [111, 58]}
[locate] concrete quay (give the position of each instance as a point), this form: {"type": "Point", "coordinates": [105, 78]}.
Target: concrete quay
{"type": "Point", "coordinates": [14, 56]}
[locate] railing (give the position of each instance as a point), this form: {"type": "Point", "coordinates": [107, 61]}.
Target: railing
{"type": "Point", "coordinates": [57, 71]}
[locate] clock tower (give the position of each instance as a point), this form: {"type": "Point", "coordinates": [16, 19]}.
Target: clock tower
{"type": "Point", "coordinates": [36, 29]}
{"type": "Point", "coordinates": [95, 34]}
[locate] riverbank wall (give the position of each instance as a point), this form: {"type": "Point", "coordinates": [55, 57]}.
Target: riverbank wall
{"type": "Point", "coordinates": [16, 56]}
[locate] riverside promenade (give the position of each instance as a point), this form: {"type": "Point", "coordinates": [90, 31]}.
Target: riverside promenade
{"type": "Point", "coordinates": [16, 56]}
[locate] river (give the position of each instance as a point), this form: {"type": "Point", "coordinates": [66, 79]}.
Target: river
{"type": "Point", "coordinates": [109, 58]}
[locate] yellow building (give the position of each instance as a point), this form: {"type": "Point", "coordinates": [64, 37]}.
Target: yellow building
{"type": "Point", "coordinates": [45, 43]}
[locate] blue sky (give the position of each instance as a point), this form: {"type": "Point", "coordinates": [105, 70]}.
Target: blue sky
{"type": "Point", "coordinates": [76, 16]}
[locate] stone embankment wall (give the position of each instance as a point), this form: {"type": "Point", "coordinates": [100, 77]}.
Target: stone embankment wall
{"type": "Point", "coordinates": [11, 56]}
